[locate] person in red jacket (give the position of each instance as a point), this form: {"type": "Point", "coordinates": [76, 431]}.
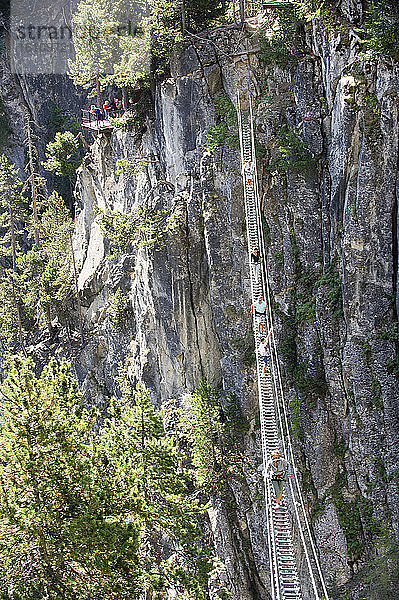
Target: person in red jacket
{"type": "Point", "coordinates": [107, 108]}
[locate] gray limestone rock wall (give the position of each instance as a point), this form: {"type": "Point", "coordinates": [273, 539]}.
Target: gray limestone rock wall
{"type": "Point", "coordinates": [331, 237]}
{"type": "Point", "coordinates": [330, 223]}
{"type": "Point", "coordinates": [45, 98]}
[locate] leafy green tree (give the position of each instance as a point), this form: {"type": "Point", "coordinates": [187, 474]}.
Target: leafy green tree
{"type": "Point", "coordinates": [166, 34]}
{"type": "Point", "coordinates": [37, 280]}
{"type": "Point", "coordinates": [42, 277]}
{"type": "Point", "coordinates": [61, 538]}
{"type": "Point", "coordinates": [293, 152]}
{"type": "Point", "coordinates": [224, 132]}
{"type": "Point", "coordinates": [202, 420]}
{"type": "Point", "coordinates": [148, 466]}
{"type": "Point", "coordinates": [204, 13]}
{"type": "Point", "coordinates": [15, 308]}
{"type": "Point", "coordinates": [213, 437]}
{"type": "Point", "coordinates": [55, 283]}
{"type": "Point", "coordinates": [58, 120]}
{"type": "Point", "coordinates": [13, 209]}
{"type": "Point", "coordinates": [382, 29]}
{"type": "Point", "coordinates": [105, 57]}
{"type": "Point", "coordinates": [86, 516]}
{"type": "Point", "coordinates": [111, 42]}
{"type": "Point", "coordinates": [141, 228]}
{"type": "Point", "coordinates": [117, 307]}
{"type": "Point", "coordinates": [168, 19]}
{"type": "Point", "coordinates": [40, 285]}
{"type": "Point", "coordinates": [63, 156]}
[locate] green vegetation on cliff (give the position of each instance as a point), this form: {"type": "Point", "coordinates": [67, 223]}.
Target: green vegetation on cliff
{"type": "Point", "coordinates": [85, 516]}
{"type": "Point", "coordinates": [122, 44]}
{"type": "Point", "coordinates": [36, 279]}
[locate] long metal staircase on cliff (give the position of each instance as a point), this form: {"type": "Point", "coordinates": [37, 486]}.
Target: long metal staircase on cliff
{"type": "Point", "coordinates": [291, 519]}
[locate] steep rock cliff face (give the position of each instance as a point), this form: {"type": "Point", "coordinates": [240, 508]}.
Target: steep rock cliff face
{"type": "Point", "coordinates": [332, 254]}
{"type": "Point", "coordinates": [38, 96]}
{"type": "Point", "coordinates": [331, 238]}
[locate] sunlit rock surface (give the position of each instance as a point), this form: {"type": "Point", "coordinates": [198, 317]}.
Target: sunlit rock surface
{"type": "Point", "coordinates": [331, 236]}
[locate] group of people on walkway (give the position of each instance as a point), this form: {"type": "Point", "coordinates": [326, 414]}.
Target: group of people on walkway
{"type": "Point", "coordinates": [260, 310]}
{"type": "Point", "coordinates": [110, 108]}
{"type": "Point", "coordinates": [276, 468]}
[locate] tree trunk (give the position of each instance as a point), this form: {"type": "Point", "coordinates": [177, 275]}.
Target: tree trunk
{"type": "Point", "coordinates": [99, 102]}
{"type": "Point", "coordinates": [242, 11]}
{"type": "Point", "coordinates": [125, 98]}
{"type": "Point", "coordinates": [33, 184]}
{"type": "Point", "coordinates": [48, 319]}
{"type": "Point", "coordinates": [183, 16]}
{"type": "Point", "coordinates": [144, 454]}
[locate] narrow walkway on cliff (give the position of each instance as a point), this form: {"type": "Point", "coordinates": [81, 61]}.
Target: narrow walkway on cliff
{"type": "Point", "coordinates": [295, 569]}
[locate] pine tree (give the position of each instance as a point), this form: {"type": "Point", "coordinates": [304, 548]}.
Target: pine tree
{"type": "Point", "coordinates": [126, 60]}
{"type": "Point", "coordinates": [158, 485]}
{"type": "Point", "coordinates": [201, 13]}
{"type": "Point", "coordinates": [86, 516]}
{"type": "Point", "coordinates": [62, 154]}
{"type": "Point", "coordinates": [107, 49]}
{"type": "Point", "coordinates": [56, 227]}
{"type": "Point", "coordinates": [13, 209]}
{"type": "Point", "coordinates": [36, 280]}
{"type": "Point", "coordinates": [13, 215]}
{"type": "Point", "coordinates": [201, 418]}
{"type": "Point", "coordinates": [33, 180]}
{"type": "Point", "coordinates": [63, 536]}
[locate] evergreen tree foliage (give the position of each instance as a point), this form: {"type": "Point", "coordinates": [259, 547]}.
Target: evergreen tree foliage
{"type": "Point", "coordinates": [63, 157]}
{"type": "Point", "coordinates": [48, 270]}
{"type": "Point", "coordinates": [13, 214]}
{"type": "Point", "coordinates": [204, 13]}
{"type": "Point", "coordinates": [126, 58]}
{"type": "Point", "coordinates": [56, 230]}
{"type": "Point", "coordinates": [13, 209]}
{"type": "Point", "coordinates": [117, 307]}
{"type": "Point", "coordinates": [166, 33]}
{"type": "Point", "coordinates": [111, 42]}
{"type": "Point", "coordinates": [86, 516]}
{"type": "Point", "coordinates": [141, 228]}
{"type": "Point", "coordinates": [35, 282]}
{"type": "Point", "coordinates": [148, 467]}
{"type": "Point", "coordinates": [46, 488]}
{"type": "Point", "coordinates": [15, 308]}
{"type": "Point", "coordinates": [382, 29]}
{"type": "Point", "coordinates": [202, 420]}
{"type": "Point", "coordinates": [213, 436]}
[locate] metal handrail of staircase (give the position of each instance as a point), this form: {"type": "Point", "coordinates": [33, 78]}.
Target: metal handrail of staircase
{"type": "Point", "coordinates": [284, 574]}
{"type": "Point", "coordinates": [284, 420]}
{"type": "Point", "coordinates": [277, 523]}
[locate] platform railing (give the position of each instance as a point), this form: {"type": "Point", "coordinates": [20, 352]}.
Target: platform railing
{"type": "Point", "coordinates": [102, 120]}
